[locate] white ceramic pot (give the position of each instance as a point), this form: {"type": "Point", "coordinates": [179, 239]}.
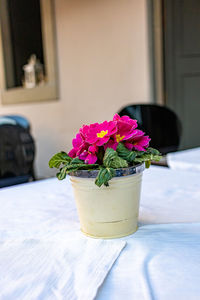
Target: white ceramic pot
{"type": "Point", "coordinates": [108, 212]}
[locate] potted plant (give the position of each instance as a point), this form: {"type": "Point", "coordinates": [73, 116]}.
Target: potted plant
{"type": "Point", "coordinates": [105, 167]}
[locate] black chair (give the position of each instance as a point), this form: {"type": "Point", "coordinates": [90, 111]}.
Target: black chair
{"type": "Point", "coordinates": [17, 151]}
{"type": "Point", "coordinates": [159, 122]}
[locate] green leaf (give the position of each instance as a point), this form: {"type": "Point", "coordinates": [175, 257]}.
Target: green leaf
{"type": "Point", "coordinates": [104, 175]}
{"type": "Point", "coordinates": [126, 154]}
{"type": "Point", "coordinates": [147, 156]}
{"type": "Point", "coordinates": [62, 174]}
{"type": "Point", "coordinates": [73, 166]}
{"type": "Point", "coordinates": [156, 157]}
{"type": "Point", "coordinates": [80, 166]}
{"type": "Point", "coordinates": [147, 164]}
{"type": "Point", "coordinates": [139, 153]}
{"type": "Point", "coordinates": [153, 151]}
{"type": "Point", "coordinates": [112, 160]}
{"type": "Point", "coordinates": [58, 159]}
{"type": "Point", "coordinates": [76, 160]}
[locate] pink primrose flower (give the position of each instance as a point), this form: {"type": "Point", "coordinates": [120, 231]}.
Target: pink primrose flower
{"type": "Point", "coordinates": [138, 142]}
{"type": "Point", "coordinates": [83, 150]}
{"type": "Point", "coordinates": [126, 128]}
{"type": "Point", "coordinates": [89, 156]}
{"type": "Point", "coordinates": [107, 134]}
{"type": "Point", "coordinates": [98, 134]}
{"type": "Point", "coordinates": [85, 130]}
{"type": "Point", "coordinates": [79, 145]}
{"type": "Point", "coordinates": [125, 119]}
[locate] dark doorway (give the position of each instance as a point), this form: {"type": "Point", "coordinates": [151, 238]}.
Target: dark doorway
{"type": "Point", "coordinates": [181, 32]}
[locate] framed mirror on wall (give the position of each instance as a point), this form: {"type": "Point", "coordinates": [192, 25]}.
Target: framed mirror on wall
{"type": "Point", "coordinates": [28, 69]}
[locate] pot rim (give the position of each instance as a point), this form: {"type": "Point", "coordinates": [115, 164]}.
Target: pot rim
{"type": "Point", "coordinates": [139, 168]}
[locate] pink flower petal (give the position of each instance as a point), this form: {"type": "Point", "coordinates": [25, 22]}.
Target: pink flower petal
{"type": "Point", "coordinates": [97, 133]}
{"type": "Point", "coordinates": [91, 159]}
{"type": "Point", "coordinates": [93, 149]}
{"type": "Point", "coordinates": [125, 119]}
{"type": "Point", "coordinates": [83, 155]}
{"type": "Point", "coordinates": [72, 153]}
{"type": "Point", "coordinates": [138, 142]}
{"type": "Point", "coordinates": [102, 141]}
{"type": "Point", "coordinates": [126, 128]}
{"type": "Point", "coordinates": [139, 148]}
{"type": "Point", "coordinates": [77, 141]}
{"type": "Point", "coordinates": [129, 146]}
{"type": "Point", "coordinates": [111, 144]}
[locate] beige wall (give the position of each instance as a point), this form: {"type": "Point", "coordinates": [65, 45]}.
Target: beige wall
{"type": "Point", "coordinates": [103, 64]}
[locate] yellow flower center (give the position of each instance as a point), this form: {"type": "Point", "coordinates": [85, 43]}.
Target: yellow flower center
{"type": "Point", "coordinates": [102, 133]}
{"type": "Point", "coordinates": [119, 138]}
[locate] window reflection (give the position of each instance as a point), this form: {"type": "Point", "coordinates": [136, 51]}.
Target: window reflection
{"type": "Point", "coordinates": [22, 43]}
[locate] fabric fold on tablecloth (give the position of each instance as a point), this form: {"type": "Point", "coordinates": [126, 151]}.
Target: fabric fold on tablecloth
{"type": "Point", "coordinates": [71, 268]}
{"type": "Point", "coordinates": [160, 262]}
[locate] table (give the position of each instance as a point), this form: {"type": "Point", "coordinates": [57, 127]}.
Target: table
{"type": "Point", "coordinates": [160, 261]}
{"type": "Point", "coordinates": [185, 160]}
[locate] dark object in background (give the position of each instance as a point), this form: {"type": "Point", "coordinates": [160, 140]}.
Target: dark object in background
{"type": "Point", "coordinates": [17, 151]}
{"type": "Point", "coordinates": [159, 122]}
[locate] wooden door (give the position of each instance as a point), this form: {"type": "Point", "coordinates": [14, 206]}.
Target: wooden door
{"type": "Point", "coordinates": [182, 65]}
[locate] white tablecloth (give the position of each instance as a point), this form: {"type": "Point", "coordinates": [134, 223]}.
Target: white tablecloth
{"type": "Point", "coordinates": [185, 160]}
{"type": "Point", "coordinates": [160, 261]}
